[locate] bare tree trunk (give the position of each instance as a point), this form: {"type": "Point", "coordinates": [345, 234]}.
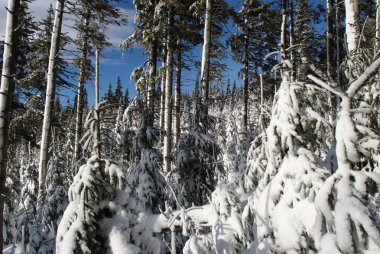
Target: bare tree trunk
{"type": "Point", "coordinates": [178, 92]}
{"type": "Point", "coordinates": [337, 27]}
{"type": "Point", "coordinates": [6, 94]}
{"type": "Point", "coordinates": [168, 97]}
{"type": "Point", "coordinates": [50, 94]}
{"type": "Point", "coordinates": [163, 80]}
{"type": "Point", "coordinates": [377, 44]}
{"type": "Point", "coordinates": [352, 24]}
{"type": "Point", "coordinates": [329, 53]}
{"type": "Point", "coordinates": [283, 30]}
{"type": "Point", "coordinates": [291, 40]}
{"type": "Point", "coordinates": [152, 74]}
{"type": "Point", "coordinates": [245, 85]}
{"type": "Point", "coordinates": [80, 96]}
{"type": "Point", "coordinates": [329, 38]}
{"type": "Point", "coordinates": [205, 79]}
{"type": "Point", "coordinates": [97, 150]}
{"type": "Point", "coordinates": [261, 120]}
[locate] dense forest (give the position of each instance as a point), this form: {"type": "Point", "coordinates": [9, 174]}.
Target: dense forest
{"type": "Point", "coordinates": [286, 162]}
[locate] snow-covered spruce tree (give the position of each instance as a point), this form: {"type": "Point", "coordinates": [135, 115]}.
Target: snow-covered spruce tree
{"type": "Point", "coordinates": [101, 216]}
{"type": "Point", "coordinates": [228, 136]}
{"type": "Point", "coordinates": [228, 233]}
{"type": "Point", "coordinates": [197, 159]}
{"type": "Point", "coordinates": [57, 185]}
{"type": "Point", "coordinates": [146, 177]}
{"type": "Point", "coordinates": [30, 237]}
{"type": "Point", "coordinates": [12, 205]}
{"type": "Point", "coordinates": [292, 177]}
{"type": "Point", "coordinates": [223, 216]}
{"type": "Point", "coordinates": [348, 202]}
{"type": "Point", "coordinates": [10, 210]}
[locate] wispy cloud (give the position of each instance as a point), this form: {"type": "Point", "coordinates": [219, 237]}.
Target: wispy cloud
{"type": "Point", "coordinates": [115, 34]}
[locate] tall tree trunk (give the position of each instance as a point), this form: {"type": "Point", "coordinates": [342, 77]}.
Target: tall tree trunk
{"type": "Point", "coordinates": [50, 95]}
{"type": "Point", "coordinates": [168, 97]}
{"type": "Point", "coordinates": [377, 44]}
{"type": "Point", "coordinates": [97, 150]}
{"type": "Point", "coordinates": [330, 53]}
{"type": "Point", "coordinates": [152, 74]}
{"type": "Point", "coordinates": [352, 24]}
{"type": "Point", "coordinates": [337, 34]}
{"type": "Point", "coordinates": [205, 67]}
{"type": "Point", "coordinates": [291, 40]}
{"type": "Point", "coordinates": [162, 101]}
{"type": "Point", "coordinates": [6, 95]}
{"type": "Point", "coordinates": [245, 85]}
{"type": "Point", "coordinates": [329, 38]}
{"type": "Point", "coordinates": [178, 92]}
{"type": "Point", "coordinates": [261, 120]}
{"type": "Point", "coordinates": [80, 96]}
{"type": "Point", "coordinates": [283, 30]}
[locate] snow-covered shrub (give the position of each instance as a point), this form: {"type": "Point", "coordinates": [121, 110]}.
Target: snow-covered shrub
{"type": "Point", "coordinates": [197, 167]}
{"type": "Point", "coordinates": [56, 200]}
{"type": "Point", "coordinates": [227, 231]}
{"type": "Point", "coordinates": [100, 216]}
{"type": "Point", "coordinates": [230, 150]}
{"type": "Point", "coordinates": [256, 163]}
{"type": "Point", "coordinates": [145, 178]}
{"type": "Point", "coordinates": [348, 203]}
{"type": "Point", "coordinates": [282, 204]}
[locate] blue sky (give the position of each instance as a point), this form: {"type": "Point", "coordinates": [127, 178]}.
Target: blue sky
{"type": "Point", "coordinates": [115, 62]}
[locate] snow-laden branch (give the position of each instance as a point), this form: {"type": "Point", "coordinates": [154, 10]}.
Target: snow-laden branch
{"type": "Point", "coordinates": [203, 216]}
{"type": "Point", "coordinates": [325, 86]}
{"type": "Point", "coordinates": [359, 82]}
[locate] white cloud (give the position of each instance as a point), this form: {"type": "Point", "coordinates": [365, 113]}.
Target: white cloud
{"type": "Point", "coordinates": [115, 34]}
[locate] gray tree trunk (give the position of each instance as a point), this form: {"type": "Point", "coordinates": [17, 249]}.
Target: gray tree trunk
{"type": "Point", "coordinates": [291, 40]}
{"type": "Point", "coordinates": [152, 74]}
{"type": "Point", "coordinates": [178, 92]}
{"type": "Point", "coordinates": [245, 85]}
{"type": "Point", "coordinates": [80, 95]}
{"type": "Point", "coordinates": [205, 67]}
{"type": "Point", "coordinates": [6, 94]}
{"type": "Point", "coordinates": [283, 30]}
{"type": "Point", "coordinates": [168, 98]}
{"type": "Point", "coordinates": [97, 150]}
{"type": "Point", "coordinates": [162, 94]}
{"type": "Point", "coordinates": [329, 38]}
{"type": "Point", "coordinates": [50, 95]}
{"type": "Point", "coordinates": [377, 44]}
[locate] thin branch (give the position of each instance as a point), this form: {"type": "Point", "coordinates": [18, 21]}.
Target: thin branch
{"type": "Point", "coordinates": [326, 86]}
{"type": "Point", "coordinates": [359, 82]}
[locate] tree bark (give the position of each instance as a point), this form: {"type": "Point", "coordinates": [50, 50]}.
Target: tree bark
{"type": "Point", "coordinates": [291, 40]}
{"type": "Point", "coordinates": [329, 38]}
{"type": "Point", "coordinates": [97, 150]}
{"type": "Point", "coordinates": [245, 85]}
{"type": "Point", "coordinates": [178, 92]}
{"type": "Point", "coordinates": [168, 97]}
{"type": "Point", "coordinates": [152, 74]}
{"type": "Point", "coordinates": [337, 27]}
{"type": "Point", "coordinates": [377, 44]}
{"type": "Point", "coordinates": [80, 97]}
{"type": "Point", "coordinates": [6, 94]}
{"type": "Point", "coordinates": [162, 100]}
{"type": "Point", "coordinates": [205, 67]}
{"type": "Point", "coordinates": [283, 30]}
{"type": "Point", "coordinates": [352, 24]}
{"type": "Point", "coordinates": [50, 95]}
